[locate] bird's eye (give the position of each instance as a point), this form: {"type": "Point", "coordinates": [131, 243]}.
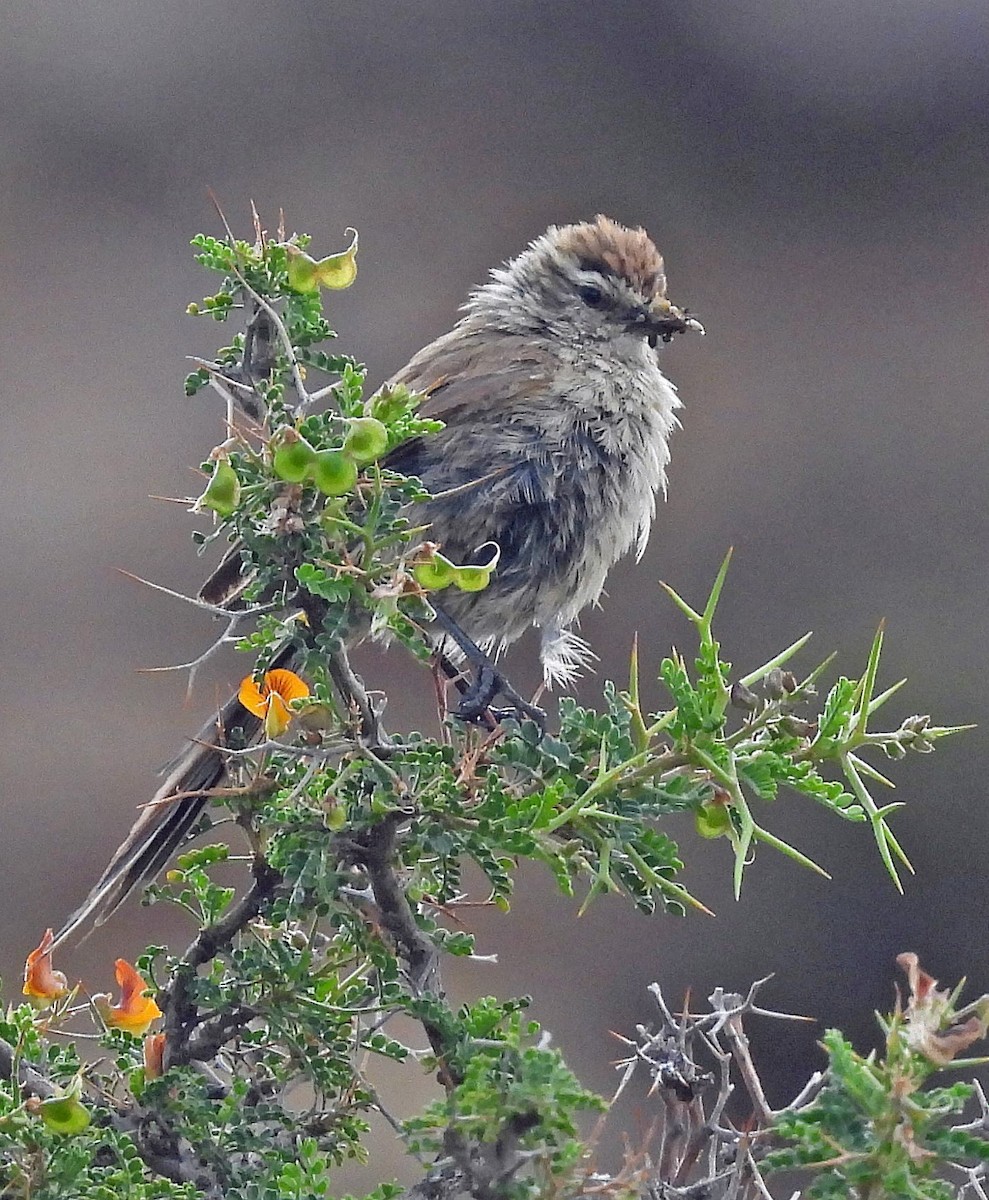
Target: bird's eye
{"type": "Point", "coordinates": [592, 296]}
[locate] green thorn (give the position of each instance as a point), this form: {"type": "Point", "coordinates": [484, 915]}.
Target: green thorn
{"type": "Point", "coordinates": [868, 769]}
{"type": "Point", "coordinates": [936, 731]}
{"type": "Point", "coordinates": [818, 671]}
{"type": "Point", "coordinates": [681, 604]}
{"type": "Point", "coordinates": [898, 849]}
{"type": "Point", "coordinates": [640, 736]}
{"type": "Point", "coordinates": [880, 831]}
{"type": "Point", "coordinates": [779, 660]}
{"type": "Point", "coordinates": [744, 840]}
{"type": "Point", "coordinates": [661, 883]}
{"type": "Point", "coordinates": [763, 835]}
{"type": "Point", "coordinates": [868, 680]}
{"type": "Point", "coordinates": [878, 701]}
{"type": "Point", "coordinates": [715, 596]}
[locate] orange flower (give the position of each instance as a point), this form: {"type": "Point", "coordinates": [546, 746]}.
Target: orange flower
{"type": "Point", "coordinates": [136, 1009]}
{"type": "Point", "coordinates": [271, 700]}
{"type": "Point", "coordinates": [154, 1056]}
{"type": "Point", "coordinates": [41, 983]}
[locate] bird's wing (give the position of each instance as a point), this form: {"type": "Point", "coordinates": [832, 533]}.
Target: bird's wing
{"type": "Point", "coordinates": [470, 383]}
{"type": "Point", "coordinates": [465, 370]}
{"type": "Point", "coordinates": [461, 374]}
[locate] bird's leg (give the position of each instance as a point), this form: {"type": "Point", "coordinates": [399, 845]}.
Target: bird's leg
{"type": "Point", "coordinates": [488, 682]}
{"type": "Point", "coordinates": [445, 666]}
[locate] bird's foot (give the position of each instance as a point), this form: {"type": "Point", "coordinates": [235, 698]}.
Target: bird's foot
{"type": "Point", "coordinates": [488, 684]}
{"type": "Point", "coordinates": [485, 684]}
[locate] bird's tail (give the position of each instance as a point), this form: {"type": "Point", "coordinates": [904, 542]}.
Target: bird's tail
{"type": "Point", "coordinates": [171, 816]}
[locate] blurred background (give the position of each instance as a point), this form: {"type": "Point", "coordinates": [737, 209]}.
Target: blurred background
{"type": "Point", "coordinates": [816, 176]}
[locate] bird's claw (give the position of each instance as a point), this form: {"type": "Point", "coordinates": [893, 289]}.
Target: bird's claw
{"type": "Point", "coordinates": [488, 683]}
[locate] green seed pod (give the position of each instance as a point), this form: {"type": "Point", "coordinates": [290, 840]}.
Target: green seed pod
{"type": "Point", "coordinates": [366, 440]}
{"type": "Point", "coordinates": [222, 493]}
{"type": "Point", "coordinates": [302, 275]}
{"type": "Point", "coordinates": [475, 578]}
{"type": "Point", "coordinates": [435, 573]}
{"type": "Point", "coordinates": [334, 472]}
{"type": "Point", "coordinates": [389, 403]}
{"type": "Point", "coordinates": [712, 820]}
{"type": "Point", "coordinates": [294, 459]}
{"type": "Point", "coordinates": [472, 579]}
{"type": "Point", "coordinates": [64, 1114]}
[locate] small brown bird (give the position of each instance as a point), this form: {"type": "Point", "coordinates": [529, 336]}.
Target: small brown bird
{"type": "Point", "coordinates": [550, 385]}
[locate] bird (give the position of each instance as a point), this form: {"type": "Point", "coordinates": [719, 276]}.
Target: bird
{"type": "Point", "coordinates": [554, 447]}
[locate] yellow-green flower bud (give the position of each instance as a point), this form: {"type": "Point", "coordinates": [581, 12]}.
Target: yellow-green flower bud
{"type": "Point", "coordinates": [222, 493]}
{"type": "Point", "coordinates": [475, 578]}
{"type": "Point", "coordinates": [334, 472]}
{"type": "Point", "coordinates": [293, 459]}
{"type": "Point", "coordinates": [712, 820]}
{"type": "Point", "coordinates": [65, 1114]}
{"type": "Point", "coordinates": [366, 440]}
{"type": "Point", "coordinates": [434, 573]}
{"type": "Point", "coordinates": [301, 271]}
{"type": "Point", "coordinates": [336, 271]}
{"type": "Point", "coordinates": [334, 511]}
{"type": "Point", "coordinates": [389, 402]}
{"type": "Point", "coordinates": [472, 579]}
{"type": "Point", "coordinates": [335, 817]}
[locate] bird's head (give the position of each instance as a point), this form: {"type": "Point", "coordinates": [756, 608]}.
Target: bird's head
{"type": "Point", "coordinates": [594, 281]}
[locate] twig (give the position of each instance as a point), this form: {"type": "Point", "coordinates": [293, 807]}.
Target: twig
{"type": "Point", "coordinates": [750, 1077]}
{"type": "Point", "coordinates": [181, 1013]}
{"type": "Point", "coordinates": [225, 639]}
{"type": "Point", "coordinates": [27, 1077]}
{"type": "Point", "coordinates": [373, 735]}
{"type": "Point", "coordinates": [215, 610]}
{"type": "Point", "coordinates": [213, 1033]}
{"type": "Point", "coordinates": [305, 400]}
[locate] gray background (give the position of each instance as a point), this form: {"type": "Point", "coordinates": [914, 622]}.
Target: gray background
{"type": "Point", "coordinates": [816, 177]}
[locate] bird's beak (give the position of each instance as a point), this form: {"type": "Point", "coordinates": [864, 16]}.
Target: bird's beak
{"type": "Point", "coordinates": [663, 319]}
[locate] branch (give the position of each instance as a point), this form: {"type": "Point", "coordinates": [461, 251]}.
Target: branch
{"type": "Point", "coordinates": [181, 1013]}
{"type": "Point", "coordinates": [28, 1078]}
